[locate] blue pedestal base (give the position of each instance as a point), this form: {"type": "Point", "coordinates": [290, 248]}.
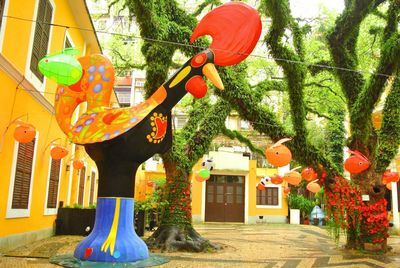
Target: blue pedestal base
{"type": "Point", "coordinates": [113, 238]}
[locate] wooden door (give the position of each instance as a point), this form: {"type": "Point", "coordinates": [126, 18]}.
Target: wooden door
{"type": "Point", "coordinates": [225, 198]}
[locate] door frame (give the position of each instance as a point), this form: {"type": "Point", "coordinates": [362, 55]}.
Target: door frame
{"type": "Point", "coordinates": [245, 174]}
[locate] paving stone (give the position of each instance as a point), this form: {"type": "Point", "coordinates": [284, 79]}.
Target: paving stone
{"type": "Point", "coordinates": [260, 245]}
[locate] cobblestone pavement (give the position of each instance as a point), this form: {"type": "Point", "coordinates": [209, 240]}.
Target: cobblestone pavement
{"type": "Point", "coordinates": [261, 245]}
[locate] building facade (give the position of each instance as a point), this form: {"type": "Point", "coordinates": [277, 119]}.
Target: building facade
{"type": "Point", "coordinates": [32, 183]}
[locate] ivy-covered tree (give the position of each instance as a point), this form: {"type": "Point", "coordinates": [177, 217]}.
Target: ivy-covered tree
{"type": "Point", "coordinates": [361, 92]}
{"type": "Point", "coordinates": [165, 21]}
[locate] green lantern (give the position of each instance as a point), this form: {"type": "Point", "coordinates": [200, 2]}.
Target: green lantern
{"type": "Point", "coordinates": [204, 173]}
{"type": "Point", "coordinates": [62, 67]}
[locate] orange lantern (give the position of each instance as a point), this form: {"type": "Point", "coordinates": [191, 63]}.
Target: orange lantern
{"type": "Point", "coordinates": [260, 186]}
{"type": "Point", "coordinates": [58, 152]}
{"type": "Point", "coordinates": [356, 163]}
{"type": "Point", "coordinates": [313, 187]}
{"type": "Point", "coordinates": [278, 155]}
{"type": "Point", "coordinates": [78, 164]}
{"type": "Point", "coordinates": [292, 177]}
{"type": "Point", "coordinates": [24, 132]}
{"type": "Point", "coordinates": [286, 190]}
{"type": "Point", "coordinates": [309, 174]}
{"type": "Point", "coordinates": [389, 186]}
{"type": "Point", "coordinates": [276, 179]}
{"type": "Point", "coordinates": [389, 176]}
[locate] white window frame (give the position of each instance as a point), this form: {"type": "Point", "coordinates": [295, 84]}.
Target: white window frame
{"type": "Point", "coordinates": [29, 75]}
{"type": "Point", "coordinates": [52, 211]}
{"type": "Point", "coordinates": [279, 197]}
{"type": "Point", "coordinates": [19, 212]}
{"type": "Point", "coordinates": [68, 37]}
{"type": "Point", "coordinates": [3, 24]}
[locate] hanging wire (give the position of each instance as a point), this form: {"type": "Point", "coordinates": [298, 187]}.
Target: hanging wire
{"type": "Point", "coordinates": [200, 47]}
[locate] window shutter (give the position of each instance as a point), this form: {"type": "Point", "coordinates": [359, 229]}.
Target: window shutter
{"type": "Point", "coordinates": [53, 183]}
{"type": "Point", "coordinates": [42, 33]}
{"type": "Point", "coordinates": [81, 185]}
{"type": "Point", "coordinates": [23, 174]}
{"type": "Point", "coordinates": [93, 178]}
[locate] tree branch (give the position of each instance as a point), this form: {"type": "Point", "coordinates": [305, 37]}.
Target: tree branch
{"type": "Point", "coordinates": [233, 134]}
{"type": "Point", "coordinates": [389, 134]}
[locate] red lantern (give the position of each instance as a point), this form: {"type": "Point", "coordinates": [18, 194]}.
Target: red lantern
{"type": "Point", "coordinates": [150, 183]}
{"type": "Point", "coordinates": [313, 187]}
{"type": "Point", "coordinates": [24, 132]}
{"type": "Point", "coordinates": [286, 190]}
{"type": "Point", "coordinates": [278, 155]}
{"type": "Point", "coordinates": [389, 176]}
{"type": "Point", "coordinates": [58, 152]}
{"type": "Point", "coordinates": [276, 179]}
{"type": "Point", "coordinates": [309, 174]}
{"type": "Point", "coordinates": [292, 177]}
{"type": "Point", "coordinates": [260, 186]}
{"type": "Point", "coordinates": [78, 164]}
{"type": "Point", "coordinates": [356, 163]}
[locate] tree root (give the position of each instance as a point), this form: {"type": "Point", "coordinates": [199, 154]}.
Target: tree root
{"type": "Point", "coordinates": [174, 238]}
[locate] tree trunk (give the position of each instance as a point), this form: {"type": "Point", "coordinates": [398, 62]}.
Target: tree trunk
{"type": "Point", "coordinates": [176, 231]}
{"type": "Point", "coordinates": [374, 217]}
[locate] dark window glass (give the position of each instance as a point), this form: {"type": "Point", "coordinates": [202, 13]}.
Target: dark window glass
{"type": "Point", "coordinates": [268, 196]}
{"type": "Point", "coordinates": [2, 3]}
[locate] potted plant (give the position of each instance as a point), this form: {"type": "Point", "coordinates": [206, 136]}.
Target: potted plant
{"type": "Point", "coordinates": [300, 207]}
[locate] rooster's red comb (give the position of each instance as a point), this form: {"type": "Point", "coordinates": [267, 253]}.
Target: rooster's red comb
{"type": "Point", "coordinates": [235, 28]}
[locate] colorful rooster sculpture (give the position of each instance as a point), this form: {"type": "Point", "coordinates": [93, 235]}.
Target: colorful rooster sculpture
{"type": "Point", "coordinates": [120, 139]}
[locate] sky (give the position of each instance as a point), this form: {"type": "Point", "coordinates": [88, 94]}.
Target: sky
{"type": "Point", "coordinates": [310, 8]}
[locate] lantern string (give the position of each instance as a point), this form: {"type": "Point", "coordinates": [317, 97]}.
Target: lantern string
{"type": "Point", "coordinates": [323, 66]}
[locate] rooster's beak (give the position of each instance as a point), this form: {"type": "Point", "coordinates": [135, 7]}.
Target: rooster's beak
{"type": "Point", "coordinates": [211, 73]}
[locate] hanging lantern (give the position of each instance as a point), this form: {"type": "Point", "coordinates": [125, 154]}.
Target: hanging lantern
{"type": "Point", "coordinates": [63, 67]}
{"type": "Point", "coordinates": [389, 176]}
{"type": "Point", "coordinates": [260, 186]}
{"type": "Point", "coordinates": [356, 163]}
{"type": "Point", "coordinates": [309, 174]}
{"type": "Point", "coordinates": [24, 132]}
{"type": "Point", "coordinates": [58, 152]}
{"type": "Point", "coordinates": [276, 179]}
{"type": "Point", "coordinates": [198, 178]}
{"type": "Point", "coordinates": [278, 154]}
{"type": "Point", "coordinates": [204, 173]}
{"type": "Point", "coordinates": [313, 187]}
{"type": "Point", "coordinates": [389, 186]}
{"type": "Point", "coordinates": [292, 177]}
{"type": "Point", "coordinates": [286, 190]}
{"type": "Point", "coordinates": [78, 164]}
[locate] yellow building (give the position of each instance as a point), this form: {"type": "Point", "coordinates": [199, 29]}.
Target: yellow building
{"type": "Point", "coordinates": [32, 183]}
{"type": "Point", "coordinates": [230, 195]}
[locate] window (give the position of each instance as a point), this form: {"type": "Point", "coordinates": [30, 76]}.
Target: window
{"type": "Point", "coordinates": [21, 182]}
{"type": "Point", "coordinates": [2, 4]}
{"type": "Point", "coordinates": [81, 185]}
{"type": "Point", "coordinates": [53, 183]}
{"type": "Point", "coordinates": [270, 196]}
{"type": "Point", "coordinates": [42, 33]}
{"type": "Point", "coordinates": [67, 43]}
{"type": "Point", "coordinates": [92, 180]}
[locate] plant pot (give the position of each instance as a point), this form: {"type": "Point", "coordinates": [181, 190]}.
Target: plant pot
{"type": "Point", "coordinates": [75, 221]}
{"type": "Point", "coordinates": [294, 216]}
